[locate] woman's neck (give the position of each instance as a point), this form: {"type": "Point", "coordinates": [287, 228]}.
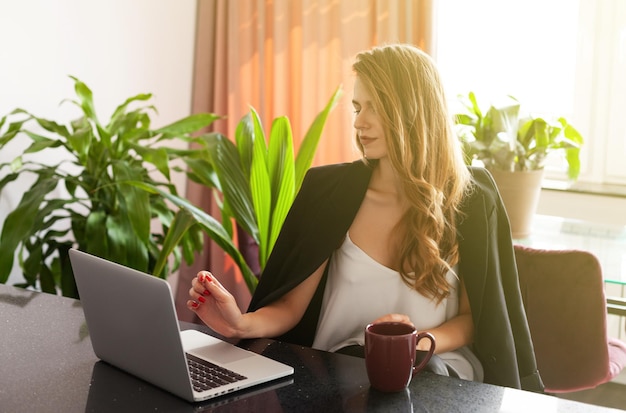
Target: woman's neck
{"type": "Point", "coordinates": [384, 179]}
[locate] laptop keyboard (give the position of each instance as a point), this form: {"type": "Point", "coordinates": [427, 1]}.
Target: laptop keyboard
{"type": "Point", "coordinates": [206, 375]}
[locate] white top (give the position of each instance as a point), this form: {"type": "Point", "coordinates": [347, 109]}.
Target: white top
{"type": "Point", "coordinates": [359, 290]}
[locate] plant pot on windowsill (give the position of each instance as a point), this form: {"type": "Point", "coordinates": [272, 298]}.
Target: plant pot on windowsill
{"type": "Point", "coordinates": [514, 149]}
{"type": "Point", "coordinates": [520, 193]}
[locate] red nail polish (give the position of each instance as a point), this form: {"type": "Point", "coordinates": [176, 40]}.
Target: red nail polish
{"type": "Point", "coordinates": [208, 278]}
{"type": "Point", "coordinates": [206, 292]}
{"type": "Point", "coordinates": [202, 299]}
{"type": "Point", "coordinates": [194, 304]}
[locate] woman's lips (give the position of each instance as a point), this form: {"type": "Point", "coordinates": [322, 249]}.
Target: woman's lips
{"type": "Point", "coordinates": [365, 140]}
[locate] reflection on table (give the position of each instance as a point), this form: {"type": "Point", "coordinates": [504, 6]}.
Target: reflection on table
{"type": "Point", "coordinates": [48, 365]}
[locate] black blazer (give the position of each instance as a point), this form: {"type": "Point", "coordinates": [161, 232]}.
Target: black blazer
{"type": "Point", "coordinates": [320, 218]}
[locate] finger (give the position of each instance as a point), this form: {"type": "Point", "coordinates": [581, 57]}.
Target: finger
{"type": "Point", "coordinates": [198, 297]}
{"type": "Point", "coordinates": [385, 318]}
{"type": "Point", "coordinates": [192, 305]}
{"type": "Point", "coordinates": [202, 282]}
{"type": "Point", "coordinates": [398, 318]}
{"type": "Point", "coordinates": [198, 290]}
{"type": "Point", "coordinates": [212, 286]}
{"type": "Point", "coordinates": [206, 278]}
{"type": "Point", "coordinates": [401, 318]}
{"type": "Point", "coordinates": [196, 287]}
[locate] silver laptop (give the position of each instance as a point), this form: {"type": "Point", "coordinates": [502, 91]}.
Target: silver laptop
{"type": "Point", "coordinates": [132, 324]}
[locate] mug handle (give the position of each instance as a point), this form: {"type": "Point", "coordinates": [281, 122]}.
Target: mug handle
{"type": "Point", "coordinates": [431, 351]}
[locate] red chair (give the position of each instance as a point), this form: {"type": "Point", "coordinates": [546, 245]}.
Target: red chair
{"type": "Point", "coordinates": [563, 294]}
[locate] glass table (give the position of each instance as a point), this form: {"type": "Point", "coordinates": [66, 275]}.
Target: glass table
{"type": "Point", "coordinates": [606, 242]}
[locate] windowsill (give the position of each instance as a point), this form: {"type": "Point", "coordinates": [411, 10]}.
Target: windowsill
{"type": "Point", "coordinates": [586, 188]}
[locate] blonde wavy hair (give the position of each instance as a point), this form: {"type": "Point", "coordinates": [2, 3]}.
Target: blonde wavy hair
{"type": "Point", "coordinates": [423, 150]}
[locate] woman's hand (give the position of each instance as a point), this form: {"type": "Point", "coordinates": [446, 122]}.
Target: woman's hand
{"type": "Point", "coordinates": [396, 318]}
{"type": "Point", "coordinates": [215, 306]}
{"type": "Point", "coordinates": [423, 345]}
{"type": "Point", "coordinates": [452, 334]}
{"type": "Point", "coordinates": [218, 309]}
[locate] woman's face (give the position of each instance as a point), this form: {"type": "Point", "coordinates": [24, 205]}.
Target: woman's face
{"type": "Point", "coordinates": [367, 123]}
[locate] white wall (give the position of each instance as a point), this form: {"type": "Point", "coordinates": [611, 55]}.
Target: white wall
{"type": "Point", "coordinates": [119, 48]}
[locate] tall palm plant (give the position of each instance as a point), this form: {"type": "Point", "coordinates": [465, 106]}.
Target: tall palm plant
{"type": "Point", "coordinates": [256, 180]}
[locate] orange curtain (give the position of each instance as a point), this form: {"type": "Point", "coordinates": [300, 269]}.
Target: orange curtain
{"type": "Point", "coordinates": [286, 57]}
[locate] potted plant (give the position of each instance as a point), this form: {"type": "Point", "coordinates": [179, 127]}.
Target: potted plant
{"type": "Point", "coordinates": [256, 180]}
{"type": "Point", "coordinates": [102, 212]}
{"type": "Point", "coordinates": [514, 148]}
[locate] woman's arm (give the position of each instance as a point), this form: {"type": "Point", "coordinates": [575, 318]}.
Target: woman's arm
{"type": "Point", "coordinates": [217, 308]}
{"type": "Point", "coordinates": [454, 333]}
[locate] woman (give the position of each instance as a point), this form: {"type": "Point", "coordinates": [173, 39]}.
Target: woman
{"type": "Point", "coordinates": [408, 233]}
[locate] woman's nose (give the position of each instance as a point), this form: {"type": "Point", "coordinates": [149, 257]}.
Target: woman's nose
{"type": "Point", "coordinates": [359, 121]}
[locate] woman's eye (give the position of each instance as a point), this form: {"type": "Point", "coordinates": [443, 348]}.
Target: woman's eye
{"type": "Point", "coordinates": [357, 111]}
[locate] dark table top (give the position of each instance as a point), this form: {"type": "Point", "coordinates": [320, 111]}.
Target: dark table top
{"type": "Point", "coordinates": [47, 365]}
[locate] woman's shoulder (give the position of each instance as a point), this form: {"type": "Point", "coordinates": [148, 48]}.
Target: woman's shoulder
{"type": "Point", "coordinates": [482, 182]}
{"type": "Point", "coordinates": [334, 174]}
{"type": "Point", "coordinates": [483, 192]}
{"type": "Point", "coordinates": [338, 169]}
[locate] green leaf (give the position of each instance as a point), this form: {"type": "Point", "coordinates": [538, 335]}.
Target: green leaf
{"type": "Point", "coordinates": [67, 281]}
{"type": "Point", "coordinates": [46, 279]}
{"type": "Point", "coordinates": [70, 186]}
{"type": "Point", "coordinates": [234, 184]}
{"type": "Point", "coordinates": [260, 187]}
{"type": "Point", "coordinates": [474, 105]}
{"type": "Point", "coordinates": [7, 137]}
{"type": "Point", "coordinates": [52, 126]}
{"type": "Point", "coordinates": [308, 146]}
{"type": "Point", "coordinates": [133, 127]}
{"type": "Point", "coordinates": [80, 142]}
{"type": "Point", "coordinates": [227, 216]}
{"type": "Point", "coordinates": [135, 202]}
{"type": "Point", "coordinates": [86, 104]}
{"type": "Point", "coordinates": [18, 224]}
{"type": "Point", "coordinates": [282, 179]}
{"type": "Point", "coordinates": [97, 242]}
{"type": "Point", "coordinates": [32, 265]}
{"type": "Point", "coordinates": [202, 171]}
{"type": "Point", "coordinates": [86, 99]}
{"type": "Point", "coordinates": [244, 139]}
{"type": "Point", "coordinates": [542, 139]}
{"type": "Point", "coordinates": [572, 153]}
{"type": "Point", "coordinates": [40, 143]}
{"type": "Point", "coordinates": [280, 157]}
{"type": "Point", "coordinates": [189, 124]}
{"type": "Point", "coordinates": [124, 247]}
{"type": "Point", "coordinates": [17, 164]}
{"type": "Point", "coordinates": [120, 111]}
{"type": "Point", "coordinates": [181, 224]}
{"type": "Point", "coordinates": [7, 179]}
{"type": "Point", "coordinates": [158, 157]}
{"type": "Point", "coordinates": [213, 229]}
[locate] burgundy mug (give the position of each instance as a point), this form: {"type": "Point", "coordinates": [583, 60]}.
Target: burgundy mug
{"type": "Point", "coordinates": [390, 354]}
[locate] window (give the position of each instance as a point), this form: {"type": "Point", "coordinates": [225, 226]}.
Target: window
{"type": "Point", "coordinates": [557, 57]}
